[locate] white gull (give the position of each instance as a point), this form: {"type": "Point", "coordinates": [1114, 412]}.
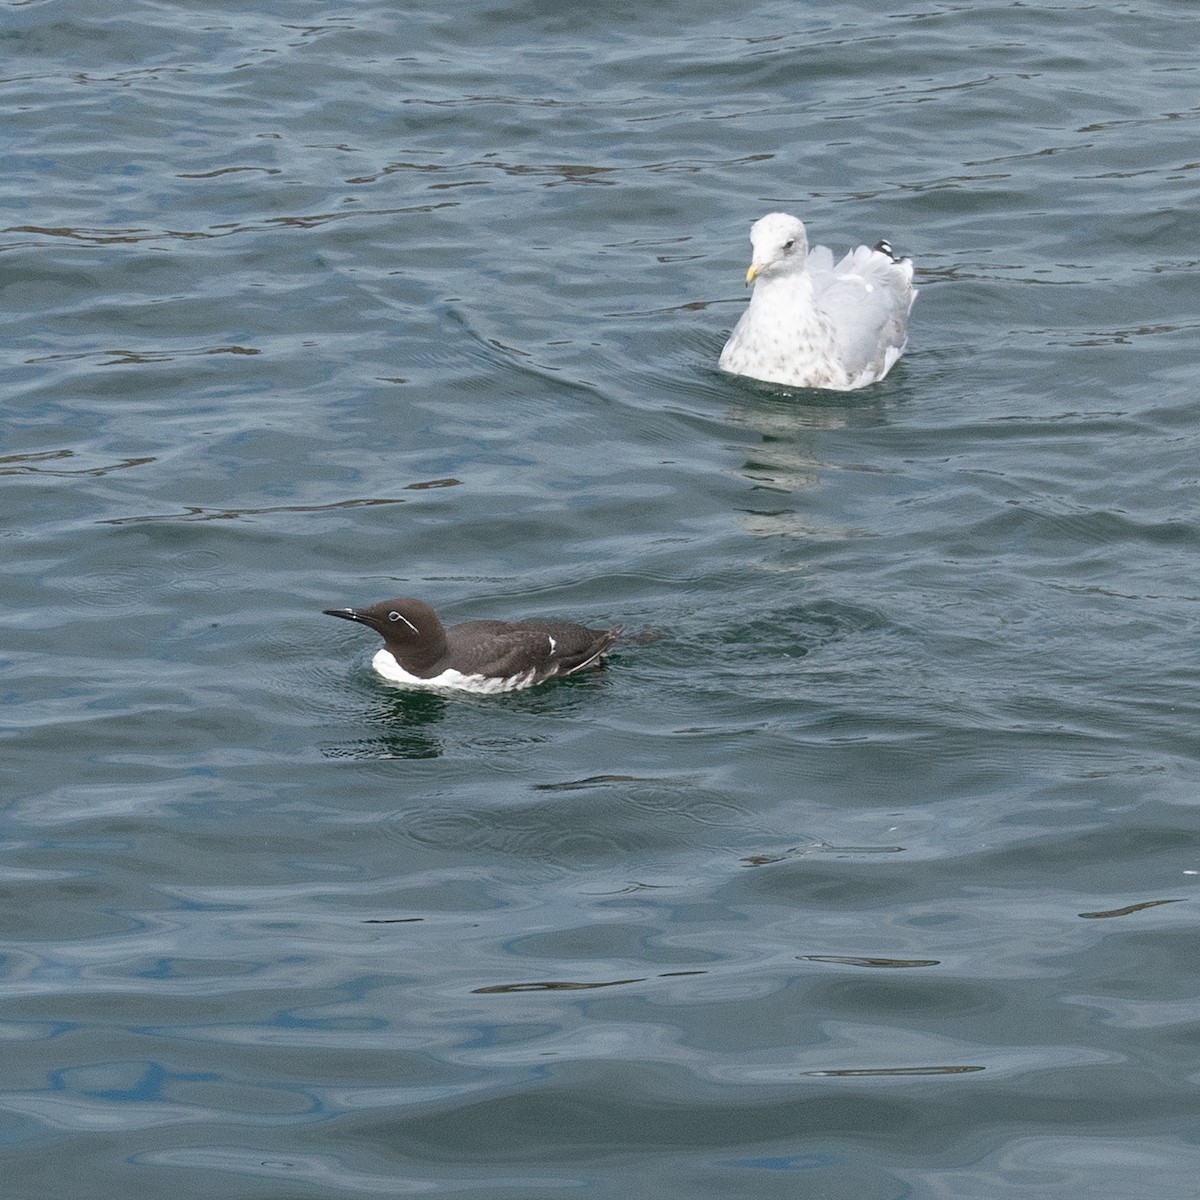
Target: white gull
{"type": "Point", "coordinates": [816, 324]}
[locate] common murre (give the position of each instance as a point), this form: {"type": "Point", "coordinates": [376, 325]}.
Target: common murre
{"type": "Point", "coordinates": [484, 657]}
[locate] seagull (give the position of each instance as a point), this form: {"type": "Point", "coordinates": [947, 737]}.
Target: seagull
{"type": "Point", "coordinates": [484, 657]}
{"type": "Point", "coordinates": [814, 324]}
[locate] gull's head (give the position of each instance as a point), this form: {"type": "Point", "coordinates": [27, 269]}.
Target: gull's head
{"type": "Point", "coordinates": [780, 245]}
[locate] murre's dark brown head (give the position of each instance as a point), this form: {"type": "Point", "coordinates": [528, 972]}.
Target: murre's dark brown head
{"type": "Point", "coordinates": [409, 628]}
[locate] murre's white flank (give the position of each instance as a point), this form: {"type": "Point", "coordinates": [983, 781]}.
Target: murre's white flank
{"type": "Point", "coordinates": [811, 323]}
{"type": "Point", "coordinates": [484, 657]}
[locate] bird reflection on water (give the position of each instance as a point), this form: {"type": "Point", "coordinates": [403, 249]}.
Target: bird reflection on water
{"type": "Point", "coordinates": [406, 722]}
{"type": "Point", "coordinates": [406, 719]}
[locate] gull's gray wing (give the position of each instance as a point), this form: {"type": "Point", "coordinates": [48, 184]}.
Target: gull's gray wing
{"type": "Point", "coordinates": [866, 298]}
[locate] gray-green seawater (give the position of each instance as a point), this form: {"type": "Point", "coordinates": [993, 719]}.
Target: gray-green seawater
{"type": "Point", "coordinates": [874, 877]}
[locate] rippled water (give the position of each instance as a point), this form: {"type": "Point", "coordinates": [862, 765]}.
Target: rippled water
{"type": "Point", "coordinates": [873, 877]}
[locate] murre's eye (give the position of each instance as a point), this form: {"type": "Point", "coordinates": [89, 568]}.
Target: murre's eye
{"type": "Point", "coordinates": [396, 615]}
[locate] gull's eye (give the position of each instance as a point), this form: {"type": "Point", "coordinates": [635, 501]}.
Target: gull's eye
{"type": "Point", "coordinates": [789, 243]}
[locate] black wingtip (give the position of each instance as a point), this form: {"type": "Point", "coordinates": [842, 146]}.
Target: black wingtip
{"type": "Point", "coordinates": [883, 246]}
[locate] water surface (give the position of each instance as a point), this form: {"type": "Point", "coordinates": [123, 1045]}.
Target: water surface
{"type": "Point", "coordinates": [873, 877]}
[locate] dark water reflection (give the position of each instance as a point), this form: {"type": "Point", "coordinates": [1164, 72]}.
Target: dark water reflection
{"type": "Point", "coordinates": [407, 722]}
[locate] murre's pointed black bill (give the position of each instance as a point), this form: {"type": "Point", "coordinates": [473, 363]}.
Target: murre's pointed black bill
{"type": "Point", "coordinates": [348, 613]}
